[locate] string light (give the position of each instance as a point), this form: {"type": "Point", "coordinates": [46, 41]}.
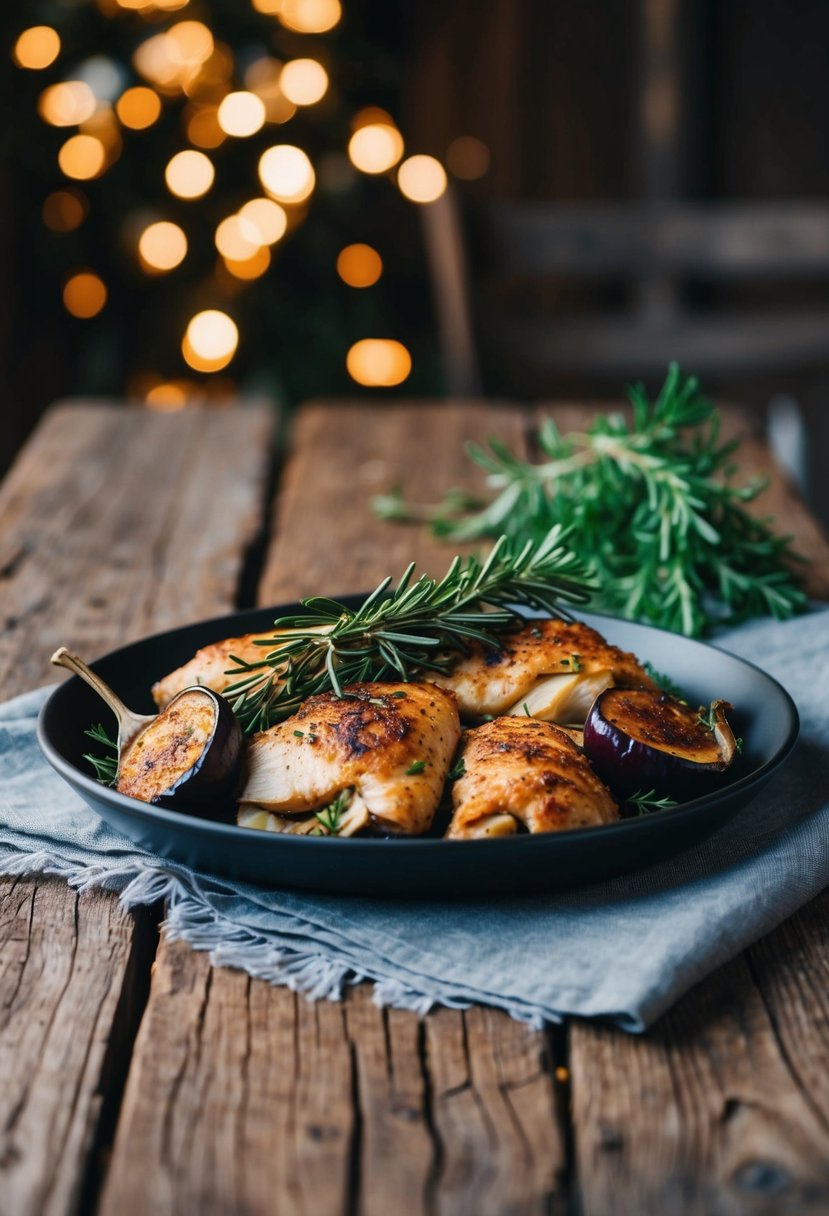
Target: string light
{"type": "Point", "coordinates": [84, 294]}
{"type": "Point", "coordinates": [66, 104]}
{"type": "Point", "coordinates": [241, 114]}
{"type": "Point", "coordinates": [210, 341]}
{"type": "Point", "coordinates": [468, 157]}
{"type": "Point", "coordinates": [304, 81]}
{"type": "Point", "coordinates": [378, 362]}
{"type": "Point", "coordinates": [310, 16]}
{"type": "Point", "coordinates": [286, 173]}
{"type": "Point", "coordinates": [267, 217]}
{"type": "Point", "coordinates": [37, 47]}
{"type": "Point", "coordinates": [65, 210]}
{"type": "Point", "coordinates": [189, 174]}
{"type": "Point", "coordinates": [138, 107]}
{"type": "Point", "coordinates": [375, 148]}
{"type": "Point", "coordinates": [250, 268]}
{"type": "Point", "coordinates": [237, 238]}
{"type": "Point", "coordinates": [422, 179]}
{"type": "Point", "coordinates": [203, 127]}
{"type": "Point", "coordinates": [82, 157]}
{"type": "Point", "coordinates": [168, 397]}
{"type": "Point", "coordinates": [359, 265]}
{"type": "Point", "coordinates": [162, 246]}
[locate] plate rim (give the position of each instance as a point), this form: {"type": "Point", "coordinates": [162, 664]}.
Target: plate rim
{"type": "Point", "coordinates": [217, 828]}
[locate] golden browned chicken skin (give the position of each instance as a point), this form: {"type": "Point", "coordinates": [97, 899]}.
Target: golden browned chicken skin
{"type": "Point", "coordinates": [391, 743]}
{"type": "Point", "coordinates": [209, 666]}
{"type": "Point", "coordinates": [556, 667]}
{"type": "Point", "coordinates": [519, 770]}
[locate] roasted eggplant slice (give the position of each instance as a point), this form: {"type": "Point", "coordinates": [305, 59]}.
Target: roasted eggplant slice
{"type": "Point", "coordinates": [188, 758]}
{"type": "Point", "coordinates": [641, 739]}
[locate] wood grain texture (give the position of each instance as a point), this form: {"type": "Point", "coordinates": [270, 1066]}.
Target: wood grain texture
{"type": "Point", "coordinates": [701, 1116]}
{"type": "Point", "coordinates": [345, 1093]}
{"type": "Point", "coordinates": [113, 523]}
{"type": "Point", "coordinates": [495, 1115]}
{"type": "Point", "coordinates": [325, 536]}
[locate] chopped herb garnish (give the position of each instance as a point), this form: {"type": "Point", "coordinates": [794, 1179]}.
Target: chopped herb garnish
{"type": "Point", "coordinates": [330, 817]}
{"type": "Point", "coordinates": [526, 709]}
{"type": "Point", "coordinates": [400, 693]}
{"type": "Point", "coordinates": [300, 734]}
{"type": "Point", "coordinates": [457, 770]}
{"type": "Point", "coordinates": [664, 682]}
{"type": "Point", "coordinates": [707, 717]}
{"type": "Point", "coordinates": [106, 767]}
{"type": "Point", "coordinates": [416, 767]}
{"type": "Point", "coordinates": [649, 801]}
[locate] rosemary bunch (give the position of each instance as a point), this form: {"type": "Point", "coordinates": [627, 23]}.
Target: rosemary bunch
{"type": "Point", "coordinates": [106, 765]}
{"type": "Point", "coordinates": [424, 624]}
{"type": "Point", "coordinates": [650, 502]}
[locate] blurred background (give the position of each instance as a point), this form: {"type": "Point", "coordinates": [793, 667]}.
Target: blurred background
{"type": "Point", "coordinates": [227, 200]}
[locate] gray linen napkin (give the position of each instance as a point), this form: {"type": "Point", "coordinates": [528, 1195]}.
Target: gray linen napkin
{"type": "Point", "coordinates": [623, 950]}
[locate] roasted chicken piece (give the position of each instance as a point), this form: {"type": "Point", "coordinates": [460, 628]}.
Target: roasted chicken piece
{"type": "Point", "coordinates": [519, 770]}
{"type": "Point", "coordinates": [209, 666]}
{"type": "Point", "coordinates": [391, 744]}
{"type": "Point", "coordinates": [550, 669]}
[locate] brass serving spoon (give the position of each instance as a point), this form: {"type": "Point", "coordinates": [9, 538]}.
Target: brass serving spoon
{"type": "Point", "coordinates": [130, 725]}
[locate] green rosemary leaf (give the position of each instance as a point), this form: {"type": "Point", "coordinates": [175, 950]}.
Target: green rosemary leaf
{"type": "Point", "coordinates": [422, 625]}
{"type": "Point", "coordinates": [654, 505]}
{"type": "Point", "coordinates": [330, 816]}
{"type": "Point", "coordinates": [457, 770]}
{"type": "Point", "coordinates": [417, 766]}
{"type": "Point", "coordinates": [644, 803]}
{"type": "Point", "coordinates": [106, 767]}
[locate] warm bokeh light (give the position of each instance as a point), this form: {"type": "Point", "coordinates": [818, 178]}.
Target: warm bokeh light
{"type": "Point", "coordinates": [210, 341]}
{"type": "Point", "coordinates": [262, 78]}
{"type": "Point", "coordinates": [375, 148]}
{"type": "Point", "coordinates": [65, 210]}
{"type": "Point", "coordinates": [162, 246]}
{"type": "Point", "coordinates": [359, 265]}
{"type": "Point", "coordinates": [138, 108]}
{"type": "Point", "coordinates": [84, 294]}
{"type": "Point", "coordinates": [189, 174]}
{"type": "Point", "coordinates": [203, 128]}
{"type": "Point", "coordinates": [37, 47]}
{"type": "Point", "coordinates": [66, 104]}
{"type": "Point", "coordinates": [378, 362]}
{"type": "Point", "coordinates": [237, 238]}
{"type": "Point", "coordinates": [189, 43]}
{"type": "Point", "coordinates": [267, 217]}
{"type": "Point", "coordinates": [241, 114]}
{"type": "Point", "coordinates": [82, 157]}
{"type": "Point", "coordinates": [310, 16]}
{"type": "Point", "coordinates": [422, 179]}
{"type": "Point", "coordinates": [252, 267]}
{"type": "Point", "coordinates": [304, 81]}
{"type": "Point", "coordinates": [167, 398]}
{"type": "Point", "coordinates": [269, 7]}
{"type": "Point", "coordinates": [286, 173]}
{"type": "Point", "coordinates": [468, 157]}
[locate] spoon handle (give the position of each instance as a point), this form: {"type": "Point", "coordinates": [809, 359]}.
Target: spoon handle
{"type": "Point", "coordinates": [128, 722]}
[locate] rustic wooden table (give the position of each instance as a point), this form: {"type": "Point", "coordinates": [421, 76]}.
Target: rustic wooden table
{"type": "Point", "coordinates": [137, 1079]}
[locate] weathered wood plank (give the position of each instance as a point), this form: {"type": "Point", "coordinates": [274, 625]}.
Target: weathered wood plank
{"type": "Point", "coordinates": [494, 1112]}
{"type": "Point", "coordinates": [112, 523]}
{"type": "Point", "coordinates": [701, 1116]}
{"type": "Point", "coordinates": [326, 537]}
{"type": "Point", "coordinates": [252, 1107]}
{"type": "Point", "coordinates": [346, 1137]}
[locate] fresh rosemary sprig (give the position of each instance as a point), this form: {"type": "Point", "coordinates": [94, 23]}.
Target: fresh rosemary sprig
{"type": "Point", "coordinates": [644, 803]}
{"type": "Point", "coordinates": [423, 625]}
{"type": "Point", "coordinates": [330, 816]}
{"type": "Point", "coordinates": [664, 682]}
{"type": "Point", "coordinates": [106, 767]}
{"type": "Point", "coordinates": [653, 504]}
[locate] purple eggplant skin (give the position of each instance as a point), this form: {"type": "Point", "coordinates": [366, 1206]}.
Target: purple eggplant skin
{"type": "Point", "coordinates": [656, 742]}
{"type": "Point", "coordinates": [210, 779]}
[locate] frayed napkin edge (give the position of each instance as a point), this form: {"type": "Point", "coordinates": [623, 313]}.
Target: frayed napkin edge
{"type": "Point", "coordinates": [191, 920]}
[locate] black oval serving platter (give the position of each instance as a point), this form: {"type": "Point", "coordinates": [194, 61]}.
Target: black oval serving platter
{"type": "Point", "coordinates": [765, 716]}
